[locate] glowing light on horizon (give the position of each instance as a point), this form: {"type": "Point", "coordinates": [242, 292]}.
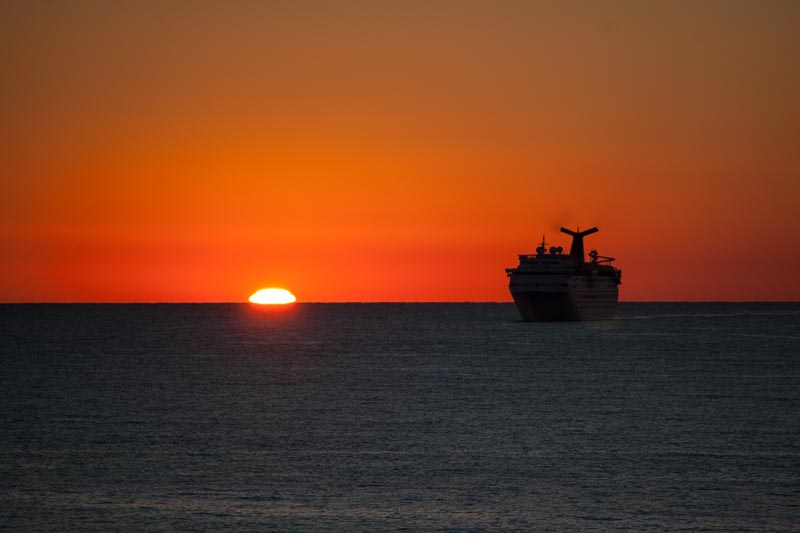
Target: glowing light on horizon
{"type": "Point", "coordinates": [272, 296]}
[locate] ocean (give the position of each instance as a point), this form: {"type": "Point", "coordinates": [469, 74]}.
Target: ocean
{"type": "Point", "coordinates": [419, 417]}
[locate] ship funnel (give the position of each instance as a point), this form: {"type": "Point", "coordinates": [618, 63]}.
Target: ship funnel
{"type": "Point", "coordinates": [576, 250]}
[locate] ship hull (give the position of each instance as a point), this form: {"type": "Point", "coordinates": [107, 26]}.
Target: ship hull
{"type": "Point", "coordinates": [572, 304]}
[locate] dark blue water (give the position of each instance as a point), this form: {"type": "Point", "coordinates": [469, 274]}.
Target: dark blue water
{"type": "Point", "coordinates": [387, 416]}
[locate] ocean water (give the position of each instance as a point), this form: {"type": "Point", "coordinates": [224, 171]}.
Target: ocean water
{"type": "Point", "coordinates": [365, 417]}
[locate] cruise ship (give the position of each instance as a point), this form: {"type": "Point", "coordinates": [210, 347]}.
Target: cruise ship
{"type": "Point", "coordinates": [552, 285]}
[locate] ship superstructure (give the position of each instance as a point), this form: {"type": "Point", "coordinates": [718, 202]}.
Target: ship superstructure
{"type": "Point", "coordinates": [552, 285]}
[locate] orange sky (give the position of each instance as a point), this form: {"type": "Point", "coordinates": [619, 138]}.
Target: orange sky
{"type": "Point", "coordinates": [391, 151]}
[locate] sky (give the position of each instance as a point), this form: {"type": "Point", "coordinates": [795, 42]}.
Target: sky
{"type": "Point", "coordinates": [395, 151]}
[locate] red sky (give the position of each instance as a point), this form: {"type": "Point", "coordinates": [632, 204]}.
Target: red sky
{"type": "Point", "coordinates": [395, 151]}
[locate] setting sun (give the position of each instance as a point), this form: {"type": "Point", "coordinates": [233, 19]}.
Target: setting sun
{"type": "Point", "coordinates": [272, 297]}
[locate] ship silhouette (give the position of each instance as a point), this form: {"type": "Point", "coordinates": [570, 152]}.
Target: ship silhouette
{"type": "Point", "coordinates": [552, 285]}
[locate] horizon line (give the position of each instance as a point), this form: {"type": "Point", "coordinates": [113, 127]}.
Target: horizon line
{"type": "Point", "coordinates": [191, 302]}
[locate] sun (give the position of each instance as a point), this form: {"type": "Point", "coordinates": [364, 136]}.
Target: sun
{"type": "Point", "coordinates": [272, 296]}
